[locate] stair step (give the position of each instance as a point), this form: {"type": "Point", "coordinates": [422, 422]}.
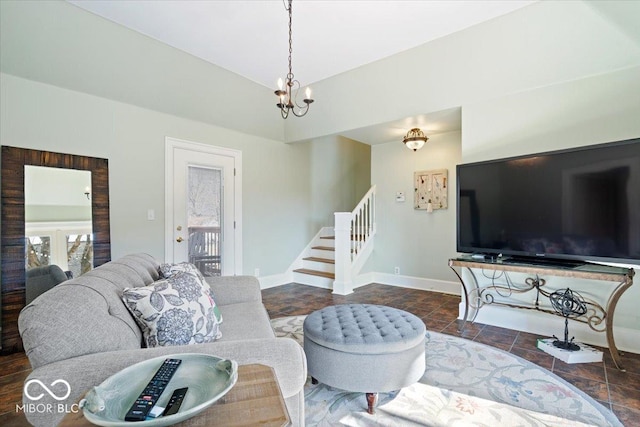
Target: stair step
{"type": "Point", "coordinates": [328, 237]}
{"type": "Point", "coordinates": [318, 259]}
{"type": "Point", "coordinates": [315, 273]}
{"type": "Point", "coordinates": [324, 248]}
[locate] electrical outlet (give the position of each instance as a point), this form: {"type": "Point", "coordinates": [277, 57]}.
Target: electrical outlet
{"type": "Point", "coordinates": [396, 270]}
{"type": "Point", "coordinates": [151, 215]}
{"type": "Point", "coordinates": [256, 272]}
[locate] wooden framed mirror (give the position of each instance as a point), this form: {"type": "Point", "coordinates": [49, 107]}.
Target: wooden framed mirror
{"type": "Point", "coordinates": [13, 243]}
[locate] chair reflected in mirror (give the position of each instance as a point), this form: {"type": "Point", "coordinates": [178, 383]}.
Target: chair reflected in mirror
{"type": "Point", "coordinates": [41, 279]}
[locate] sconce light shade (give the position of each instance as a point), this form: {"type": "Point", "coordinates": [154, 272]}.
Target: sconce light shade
{"type": "Point", "coordinates": [415, 139]}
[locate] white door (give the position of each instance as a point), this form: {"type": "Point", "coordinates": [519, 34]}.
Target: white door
{"type": "Point", "coordinates": [202, 207]}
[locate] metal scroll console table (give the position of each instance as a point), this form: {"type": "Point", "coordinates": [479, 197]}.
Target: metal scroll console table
{"type": "Point", "coordinates": [597, 318]}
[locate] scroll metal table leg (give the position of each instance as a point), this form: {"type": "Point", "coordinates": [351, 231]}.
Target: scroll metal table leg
{"type": "Point", "coordinates": [466, 300]}
{"type": "Point", "coordinates": [467, 304]}
{"type": "Point", "coordinates": [611, 308]}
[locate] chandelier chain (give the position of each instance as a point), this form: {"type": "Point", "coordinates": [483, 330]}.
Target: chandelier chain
{"type": "Point", "coordinates": [290, 38]}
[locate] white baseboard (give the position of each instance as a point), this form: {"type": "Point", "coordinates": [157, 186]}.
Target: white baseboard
{"type": "Point", "coordinates": [411, 282]}
{"type": "Point", "coordinates": [274, 280]}
{"type": "Point", "coordinates": [546, 325]}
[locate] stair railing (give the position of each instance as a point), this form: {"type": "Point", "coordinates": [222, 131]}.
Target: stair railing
{"type": "Point", "coordinates": [353, 237]}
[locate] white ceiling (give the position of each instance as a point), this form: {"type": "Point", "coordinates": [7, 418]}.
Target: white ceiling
{"type": "Point", "coordinates": [250, 38]}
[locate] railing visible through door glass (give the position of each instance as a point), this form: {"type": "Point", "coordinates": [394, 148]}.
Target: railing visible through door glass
{"type": "Point", "coordinates": [204, 249]}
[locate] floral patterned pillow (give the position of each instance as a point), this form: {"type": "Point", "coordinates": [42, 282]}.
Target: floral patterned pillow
{"type": "Point", "coordinates": [174, 311]}
{"type": "Point", "coordinates": [167, 270]}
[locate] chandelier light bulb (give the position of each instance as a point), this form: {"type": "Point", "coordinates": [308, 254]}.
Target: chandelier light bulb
{"type": "Point", "coordinates": [308, 92]}
{"type": "Point", "coordinates": [280, 84]}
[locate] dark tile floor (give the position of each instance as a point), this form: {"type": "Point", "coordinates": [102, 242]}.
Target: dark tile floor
{"type": "Point", "coordinates": [619, 391]}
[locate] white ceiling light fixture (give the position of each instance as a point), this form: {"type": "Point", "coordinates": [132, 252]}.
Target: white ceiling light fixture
{"type": "Point", "coordinates": [415, 139]}
{"type": "Point", "coordinates": [287, 96]}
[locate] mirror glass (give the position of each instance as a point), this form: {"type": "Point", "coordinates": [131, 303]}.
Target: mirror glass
{"type": "Point", "coordinates": [58, 226]}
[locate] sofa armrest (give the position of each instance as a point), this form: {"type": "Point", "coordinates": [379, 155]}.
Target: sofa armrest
{"type": "Point", "coordinates": [235, 289]}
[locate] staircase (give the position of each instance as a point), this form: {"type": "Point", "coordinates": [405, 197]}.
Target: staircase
{"type": "Point", "coordinates": [336, 254]}
{"type": "Point", "coordinates": [318, 263]}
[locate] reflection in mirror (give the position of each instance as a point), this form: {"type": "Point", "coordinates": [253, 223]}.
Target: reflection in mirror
{"type": "Point", "coordinates": [58, 226]}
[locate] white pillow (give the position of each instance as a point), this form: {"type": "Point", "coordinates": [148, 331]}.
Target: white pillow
{"type": "Point", "coordinates": [177, 310]}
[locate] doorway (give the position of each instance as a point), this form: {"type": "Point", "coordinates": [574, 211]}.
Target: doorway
{"type": "Point", "coordinates": [203, 207]}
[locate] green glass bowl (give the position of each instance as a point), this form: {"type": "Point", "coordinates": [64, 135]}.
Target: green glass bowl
{"type": "Point", "coordinates": [208, 378]}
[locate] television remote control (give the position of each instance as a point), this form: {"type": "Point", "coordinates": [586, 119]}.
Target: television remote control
{"type": "Point", "coordinates": [152, 391]}
{"type": "Point", "coordinates": [176, 400]}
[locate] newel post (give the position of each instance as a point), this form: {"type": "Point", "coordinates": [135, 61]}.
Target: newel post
{"type": "Point", "coordinates": [342, 284]}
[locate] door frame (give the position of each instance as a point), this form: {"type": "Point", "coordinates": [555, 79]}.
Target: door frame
{"type": "Point", "coordinates": [171, 144]}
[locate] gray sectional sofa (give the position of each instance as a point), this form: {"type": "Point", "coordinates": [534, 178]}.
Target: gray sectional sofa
{"type": "Point", "coordinates": [81, 331]}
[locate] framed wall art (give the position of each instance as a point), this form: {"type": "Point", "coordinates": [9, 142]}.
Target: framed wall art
{"type": "Point", "coordinates": [430, 189]}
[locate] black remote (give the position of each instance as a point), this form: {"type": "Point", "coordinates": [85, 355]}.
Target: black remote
{"type": "Point", "coordinates": [175, 401]}
{"type": "Point", "coordinates": [152, 391]}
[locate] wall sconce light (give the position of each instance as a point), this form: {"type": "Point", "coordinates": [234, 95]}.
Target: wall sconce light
{"type": "Point", "coordinates": [87, 192]}
{"type": "Point", "coordinates": [415, 139]}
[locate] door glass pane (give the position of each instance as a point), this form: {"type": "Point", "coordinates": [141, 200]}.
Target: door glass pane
{"type": "Point", "coordinates": [38, 251]}
{"type": "Point", "coordinates": [204, 213]}
{"type": "Point", "coordinates": [79, 253]}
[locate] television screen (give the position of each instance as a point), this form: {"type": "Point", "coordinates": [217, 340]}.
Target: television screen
{"type": "Point", "coordinates": [580, 204]}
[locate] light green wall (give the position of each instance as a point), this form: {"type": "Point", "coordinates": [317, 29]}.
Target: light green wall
{"type": "Point", "coordinates": [588, 111]}
{"type": "Point", "coordinates": [340, 175]}
{"type": "Point", "coordinates": [276, 200]}
{"type": "Point", "coordinates": [417, 242]}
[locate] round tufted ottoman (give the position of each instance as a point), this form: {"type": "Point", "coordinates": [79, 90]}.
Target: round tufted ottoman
{"type": "Point", "coordinates": [365, 348]}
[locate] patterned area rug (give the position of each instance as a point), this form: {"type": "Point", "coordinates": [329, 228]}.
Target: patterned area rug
{"type": "Point", "coordinates": [465, 384]}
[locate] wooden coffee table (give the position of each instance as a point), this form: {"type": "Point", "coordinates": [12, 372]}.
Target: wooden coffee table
{"type": "Point", "coordinates": [255, 399]}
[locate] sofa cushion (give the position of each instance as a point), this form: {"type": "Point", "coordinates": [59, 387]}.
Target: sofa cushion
{"type": "Point", "coordinates": [177, 310]}
{"type": "Point", "coordinates": [248, 320]}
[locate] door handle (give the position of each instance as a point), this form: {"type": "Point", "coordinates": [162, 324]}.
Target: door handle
{"type": "Point", "coordinates": [179, 239]}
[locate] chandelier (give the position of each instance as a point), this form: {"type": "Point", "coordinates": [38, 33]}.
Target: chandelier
{"type": "Point", "coordinates": [415, 139]}
{"type": "Point", "coordinates": [287, 96]}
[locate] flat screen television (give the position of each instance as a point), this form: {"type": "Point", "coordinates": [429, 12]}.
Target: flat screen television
{"type": "Point", "coordinates": [580, 204]}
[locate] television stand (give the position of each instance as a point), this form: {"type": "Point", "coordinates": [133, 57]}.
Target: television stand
{"type": "Point", "coordinates": [477, 296]}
